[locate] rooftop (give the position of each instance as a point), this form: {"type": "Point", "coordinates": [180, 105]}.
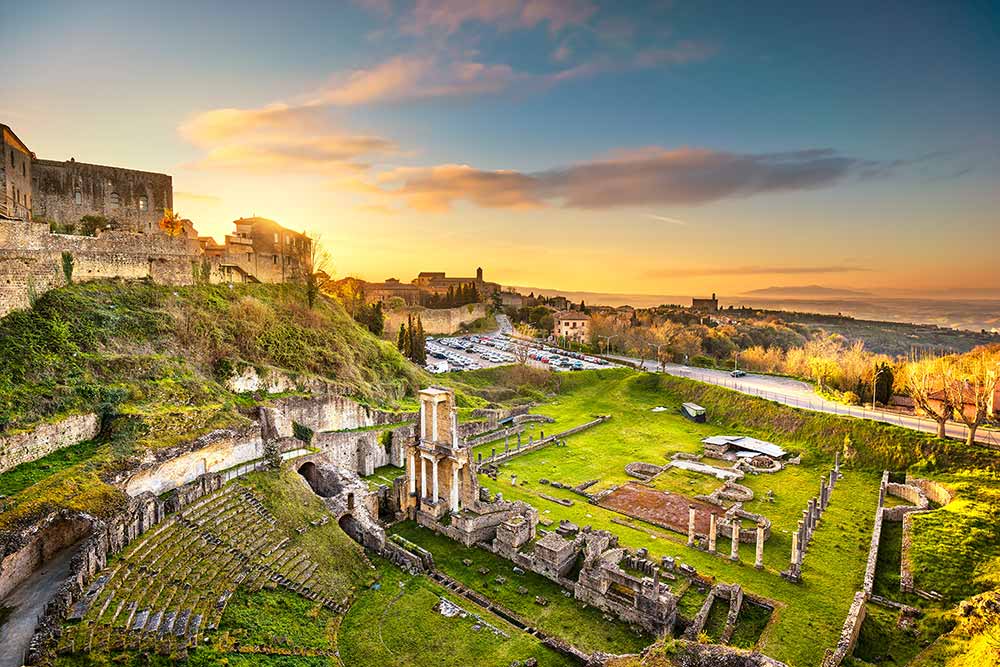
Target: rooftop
{"type": "Point", "coordinates": [746, 443]}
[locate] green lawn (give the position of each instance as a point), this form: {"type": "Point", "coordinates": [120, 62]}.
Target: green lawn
{"type": "Point", "coordinates": [21, 477]}
{"type": "Point", "coordinates": [383, 475]}
{"type": "Point", "coordinates": [833, 567]}
{"type": "Point", "coordinates": [397, 625]}
{"type": "Point", "coordinates": [582, 626]}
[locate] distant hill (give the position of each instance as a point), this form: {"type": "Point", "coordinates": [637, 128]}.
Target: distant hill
{"type": "Point", "coordinates": [810, 291]}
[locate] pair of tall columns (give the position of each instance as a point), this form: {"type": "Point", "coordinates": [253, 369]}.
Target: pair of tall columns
{"type": "Point", "coordinates": [423, 478]}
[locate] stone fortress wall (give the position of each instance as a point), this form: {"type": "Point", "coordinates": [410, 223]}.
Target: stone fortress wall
{"type": "Point", "coordinates": [31, 259]}
{"type": "Point", "coordinates": [436, 321]}
{"type": "Point", "coordinates": [63, 192]}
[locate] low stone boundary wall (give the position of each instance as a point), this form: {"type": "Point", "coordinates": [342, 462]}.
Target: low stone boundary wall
{"type": "Point", "coordinates": [849, 635]}
{"type": "Point", "coordinates": [44, 439]}
{"type": "Point", "coordinates": [543, 442]}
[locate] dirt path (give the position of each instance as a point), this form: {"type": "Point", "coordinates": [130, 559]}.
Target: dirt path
{"type": "Point", "coordinates": [27, 602]}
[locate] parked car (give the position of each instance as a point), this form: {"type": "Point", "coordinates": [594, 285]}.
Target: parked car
{"type": "Point", "coordinates": [737, 373]}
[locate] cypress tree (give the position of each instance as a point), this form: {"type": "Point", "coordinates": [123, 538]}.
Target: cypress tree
{"type": "Point", "coordinates": [401, 339]}
{"type": "Point", "coordinates": [419, 341]}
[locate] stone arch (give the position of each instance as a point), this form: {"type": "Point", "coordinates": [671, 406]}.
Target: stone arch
{"type": "Point", "coordinates": [308, 471]}
{"type": "Point", "coordinates": [352, 527]}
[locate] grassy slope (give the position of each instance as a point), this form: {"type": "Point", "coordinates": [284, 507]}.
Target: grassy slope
{"type": "Point", "coordinates": [583, 626]}
{"type": "Point", "coordinates": [834, 565]}
{"type": "Point", "coordinates": [397, 625]}
{"type": "Point", "coordinates": [148, 357]}
{"type": "Point", "coordinates": [294, 504]}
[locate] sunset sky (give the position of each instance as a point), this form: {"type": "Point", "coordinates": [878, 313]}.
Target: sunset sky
{"type": "Point", "coordinates": [656, 147]}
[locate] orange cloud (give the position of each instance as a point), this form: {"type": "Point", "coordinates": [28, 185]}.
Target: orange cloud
{"type": "Point", "coordinates": [435, 189]}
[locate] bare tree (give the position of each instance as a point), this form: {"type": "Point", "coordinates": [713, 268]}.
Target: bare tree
{"type": "Point", "coordinates": [971, 389]}
{"type": "Point", "coordinates": [521, 349]}
{"type": "Point", "coordinates": [316, 268]}
{"type": "Point", "coordinates": [926, 379]}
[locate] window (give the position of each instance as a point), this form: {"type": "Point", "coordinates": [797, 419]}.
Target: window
{"type": "Point", "coordinates": [143, 203]}
{"type": "Point", "coordinates": [78, 198]}
{"type": "Point", "coordinates": [274, 259]}
{"type": "Point", "coordinates": [276, 237]}
{"type": "Point", "coordinates": [24, 168]}
{"type": "Point", "coordinates": [115, 200]}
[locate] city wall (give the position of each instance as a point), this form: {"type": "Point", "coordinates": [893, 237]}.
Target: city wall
{"type": "Point", "coordinates": [436, 321]}
{"type": "Point", "coordinates": [31, 259]}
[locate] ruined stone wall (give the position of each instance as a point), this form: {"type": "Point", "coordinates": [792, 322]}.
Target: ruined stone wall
{"type": "Point", "coordinates": [337, 413]}
{"type": "Point", "coordinates": [63, 192]}
{"type": "Point", "coordinates": [31, 259]}
{"type": "Point", "coordinates": [214, 453]}
{"type": "Point", "coordinates": [46, 438]}
{"type": "Point", "coordinates": [364, 451]}
{"type": "Point", "coordinates": [37, 545]}
{"type": "Point", "coordinates": [436, 320]}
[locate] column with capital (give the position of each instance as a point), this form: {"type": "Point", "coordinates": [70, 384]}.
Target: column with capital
{"type": "Point", "coordinates": [434, 478]}
{"type": "Point", "coordinates": [413, 474]}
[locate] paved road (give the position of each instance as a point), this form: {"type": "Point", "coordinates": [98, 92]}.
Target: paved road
{"type": "Point", "coordinates": [801, 395]}
{"type": "Point", "coordinates": [27, 602]}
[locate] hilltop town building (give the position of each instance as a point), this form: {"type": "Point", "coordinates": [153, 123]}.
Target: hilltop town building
{"type": "Point", "coordinates": [436, 282]}
{"type": "Point", "coordinates": [42, 203]}
{"type": "Point", "coordinates": [572, 325]}
{"type": "Point", "coordinates": [710, 304]}
{"type": "Point", "coordinates": [15, 176]}
{"type": "Point", "coordinates": [259, 250]}
{"type": "Point", "coordinates": [130, 200]}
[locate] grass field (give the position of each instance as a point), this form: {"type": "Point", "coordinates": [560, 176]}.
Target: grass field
{"type": "Point", "coordinates": [396, 624]}
{"type": "Point", "coordinates": [565, 617]}
{"type": "Point", "coordinates": [833, 567]}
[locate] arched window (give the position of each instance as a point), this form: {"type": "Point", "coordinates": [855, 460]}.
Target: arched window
{"type": "Point", "coordinates": [78, 197]}
{"type": "Point", "coordinates": [143, 203]}
{"type": "Point", "coordinates": [115, 200]}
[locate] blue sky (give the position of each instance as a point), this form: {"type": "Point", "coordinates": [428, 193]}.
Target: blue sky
{"type": "Point", "coordinates": [656, 147]}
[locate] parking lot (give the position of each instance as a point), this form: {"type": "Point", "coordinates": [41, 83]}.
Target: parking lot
{"type": "Point", "coordinates": [472, 352]}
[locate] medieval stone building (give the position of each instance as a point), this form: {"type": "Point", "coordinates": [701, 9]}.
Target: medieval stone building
{"type": "Point", "coordinates": [42, 203]}
{"type": "Point", "coordinates": [130, 200]}
{"type": "Point", "coordinates": [259, 250]}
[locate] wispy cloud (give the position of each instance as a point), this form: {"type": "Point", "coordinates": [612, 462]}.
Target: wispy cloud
{"type": "Point", "coordinates": [663, 218]}
{"type": "Point", "coordinates": [448, 16]}
{"type": "Point", "coordinates": [649, 176]}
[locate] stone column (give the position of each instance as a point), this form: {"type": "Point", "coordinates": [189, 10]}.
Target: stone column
{"type": "Point", "coordinates": [823, 499]}
{"type": "Point", "coordinates": [759, 560]}
{"type": "Point", "coordinates": [734, 551]}
{"type": "Point", "coordinates": [800, 552]}
{"type": "Point", "coordinates": [833, 478]}
{"type": "Point", "coordinates": [506, 441]}
{"type": "Point", "coordinates": [413, 474]}
{"type": "Point", "coordinates": [423, 422]}
{"type": "Point", "coordinates": [434, 478]}
{"type": "Point", "coordinates": [793, 567]}
{"type": "Point", "coordinates": [656, 580]}
{"type": "Point", "coordinates": [836, 463]}
{"type": "Point", "coordinates": [712, 529]}
{"type": "Point", "coordinates": [423, 477]}
{"type": "Point", "coordinates": [434, 424]}
{"type": "Point", "coordinates": [690, 525]}
{"type": "Point", "coordinates": [454, 486]}
{"type": "Point", "coordinates": [812, 514]}
{"type": "Point", "coordinates": [804, 528]}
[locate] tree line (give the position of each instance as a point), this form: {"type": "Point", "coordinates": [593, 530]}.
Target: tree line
{"type": "Point", "coordinates": [464, 294]}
